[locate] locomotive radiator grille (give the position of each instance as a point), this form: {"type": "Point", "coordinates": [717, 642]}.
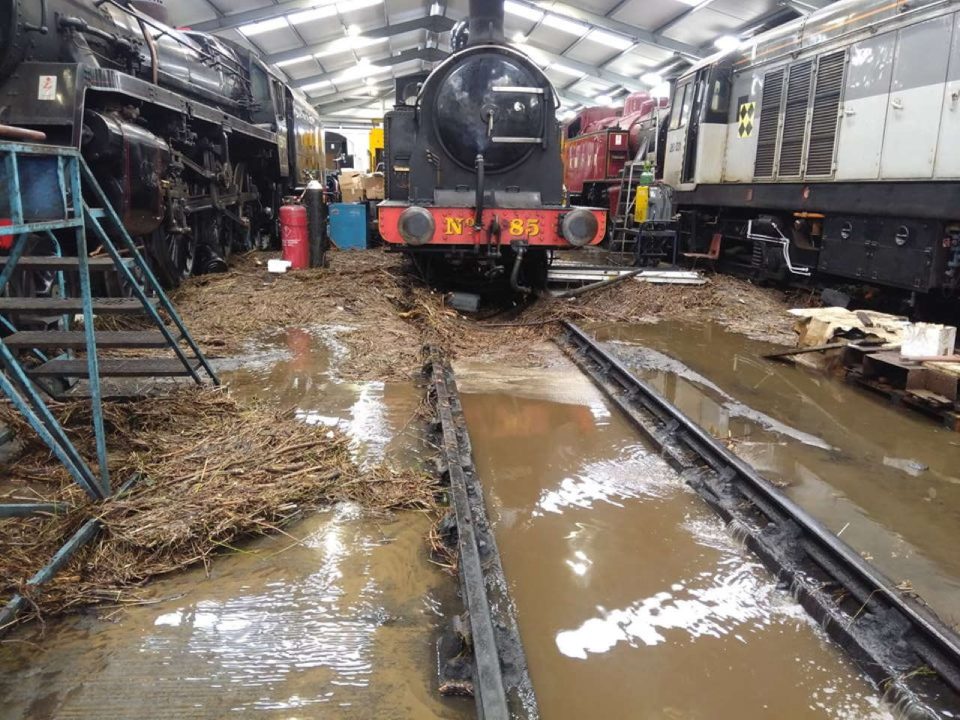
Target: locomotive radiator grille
{"type": "Point", "coordinates": [769, 122]}
{"type": "Point", "coordinates": [795, 119]}
{"type": "Point", "coordinates": [826, 104]}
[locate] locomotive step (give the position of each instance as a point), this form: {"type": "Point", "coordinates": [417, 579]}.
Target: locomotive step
{"type": "Point", "coordinates": [116, 367]}
{"type": "Point", "coordinates": [101, 306]}
{"type": "Point", "coordinates": [76, 340]}
{"type": "Point", "coordinates": [52, 262]}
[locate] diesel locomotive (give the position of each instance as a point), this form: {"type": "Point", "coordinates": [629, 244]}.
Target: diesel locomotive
{"type": "Point", "coordinates": [194, 138]}
{"type": "Point", "coordinates": [830, 146]}
{"type": "Point", "coordinates": [474, 180]}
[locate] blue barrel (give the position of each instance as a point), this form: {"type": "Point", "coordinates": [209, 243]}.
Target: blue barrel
{"type": "Point", "coordinates": [348, 225]}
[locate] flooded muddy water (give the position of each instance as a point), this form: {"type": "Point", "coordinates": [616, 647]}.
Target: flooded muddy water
{"type": "Point", "coordinates": [336, 618]}
{"type": "Point", "coordinates": [885, 479]}
{"type": "Point", "coordinates": [632, 599]}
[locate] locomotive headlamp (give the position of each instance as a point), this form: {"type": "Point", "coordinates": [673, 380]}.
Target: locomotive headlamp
{"type": "Point", "coordinates": [579, 227]}
{"type": "Point", "coordinates": [416, 226]}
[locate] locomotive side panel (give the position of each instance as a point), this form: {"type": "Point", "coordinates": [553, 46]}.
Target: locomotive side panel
{"type": "Point", "coordinates": [948, 152]}
{"type": "Point", "coordinates": [745, 109]}
{"type": "Point", "coordinates": [916, 100]}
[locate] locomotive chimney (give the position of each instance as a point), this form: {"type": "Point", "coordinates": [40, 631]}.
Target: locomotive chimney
{"type": "Point", "coordinates": [486, 22]}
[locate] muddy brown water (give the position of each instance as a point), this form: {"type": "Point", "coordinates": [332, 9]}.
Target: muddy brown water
{"type": "Point", "coordinates": [338, 618]}
{"type": "Point", "coordinates": [885, 478]}
{"type": "Point", "coordinates": [632, 599]}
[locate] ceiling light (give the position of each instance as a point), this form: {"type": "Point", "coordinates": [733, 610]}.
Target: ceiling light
{"type": "Point", "coordinates": [353, 30]}
{"type": "Point", "coordinates": [317, 13]}
{"type": "Point", "coordinates": [263, 26]}
{"type": "Point", "coordinates": [293, 61]}
{"type": "Point", "coordinates": [727, 42]}
{"type": "Point", "coordinates": [651, 79]}
{"type": "Point", "coordinates": [315, 85]}
{"type": "Point", "coordinates": [519, 38]}
{"type": "Point", "coordinates": [524, 11]}
{"type": "Point", "coordinates": [614, 40]}
{"type": "Point", "coordinates": [566, 69]}
{"type": "Point", "coordinates": [660, 91]}
{"type": "Point", "coordinates": [346, 44]}
{"type": "Point", "coordinates": [607, 100]}
{"type": "Point", "coordinates": [436, 9]}
{"type": "Point", "coordinates": [345, 7]}
{"type": "Point", "coordinates": [564, 25]}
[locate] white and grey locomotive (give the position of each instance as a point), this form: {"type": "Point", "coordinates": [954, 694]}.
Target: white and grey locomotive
{"type": "Point", "coordinates": [829, 145]}
{"type": "Point", "coordinates": [194, 138]}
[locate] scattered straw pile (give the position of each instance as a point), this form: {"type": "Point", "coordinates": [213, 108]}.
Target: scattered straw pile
{"type": "Point", "coordinates": [358, 291]}
{"type": "Point", "coordinates": [213, 472]}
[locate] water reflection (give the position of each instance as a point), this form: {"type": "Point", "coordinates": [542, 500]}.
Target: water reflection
{"type": "Point", "coordinates": [887, 480]}
{"type": "Point", "coordinates": [632, 599]}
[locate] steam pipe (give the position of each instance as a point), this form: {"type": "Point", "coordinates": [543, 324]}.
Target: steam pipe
{"type": "Point", "coordinates": [478, 216]}
{"type": "Point", "coordinates": [515, 273]}
{"type": "Point", "coordinates": [485, 24]}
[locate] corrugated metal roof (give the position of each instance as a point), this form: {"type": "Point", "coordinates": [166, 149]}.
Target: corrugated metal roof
{"type": "Point", "coordinates": [345, 53]}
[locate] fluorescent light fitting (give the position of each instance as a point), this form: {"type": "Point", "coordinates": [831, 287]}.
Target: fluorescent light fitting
{"type": "Point", "coordinates": [317, 13]}
{"type": "Point", "coordinates": [519, 38]}
{"type": "Point", "coordinates": [277, 23]}
{"type": "Point", "coordinates": [348, 43]}
{"type": "Point", "coordinates": [564, 25]}
{"type": "Point", "coordinates": [435, 9]}
{"type": "Point", "coordinates": [521, 10]}
{"type": "Point", "coordinates": [651, 79]}
{"type": "Point", "coordinates": [315, 85]}
{"type": "Point", "coordinates": [293, 61]}
{"type": "Point", "coordinates": [566, 70]}
{"type": "Point", "coordinates": [727, 42]}
{"type": "Point", "coordinates": [614, 40]}
{"type": "Point", "coordinates": [345, 7]}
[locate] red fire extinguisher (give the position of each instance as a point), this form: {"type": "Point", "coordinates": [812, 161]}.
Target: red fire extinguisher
{"type": "Point", "coordinates": [295, 236]}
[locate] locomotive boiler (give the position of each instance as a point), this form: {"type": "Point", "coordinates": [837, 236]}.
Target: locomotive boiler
{"type": "Point", "coordinates": [474, 175]}
{"type": "Point", "coordinates": [828, 147]}
{"type": "Point", "coordinates": [194, 138]}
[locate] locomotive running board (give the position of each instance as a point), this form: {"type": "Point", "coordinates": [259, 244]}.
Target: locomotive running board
{"type": "Point", "coordinates": [909, 652]}
{"type": "Point", "coordinates": [500, 681]}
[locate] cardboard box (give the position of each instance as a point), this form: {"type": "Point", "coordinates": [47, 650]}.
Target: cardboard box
{"type": "Point", "coordinates": [351, 186]}
{"type": "Point", "coordinates": [373, 186]}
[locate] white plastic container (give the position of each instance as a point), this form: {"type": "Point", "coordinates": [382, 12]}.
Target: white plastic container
{"type": "Point", "coordinates": [278, 266]}
{"type": "Point", "coordinates": [922, 340]}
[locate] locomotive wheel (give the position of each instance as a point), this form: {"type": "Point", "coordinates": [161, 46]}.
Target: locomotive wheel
{"type": "Point", "coordinates": [171, 257]}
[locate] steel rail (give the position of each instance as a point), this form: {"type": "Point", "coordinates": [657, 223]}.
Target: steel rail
{"type": "Point", "coordinates": [897, 641]}
{"type": "Point", "coordinates": [502, 686]}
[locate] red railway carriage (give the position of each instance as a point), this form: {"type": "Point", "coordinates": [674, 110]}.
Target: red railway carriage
{"type": "Point", "coordinates": [599, 141]}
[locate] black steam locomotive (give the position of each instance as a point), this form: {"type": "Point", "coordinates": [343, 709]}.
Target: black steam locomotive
{"type": "Point", "coordinates": [193, 137]}
{"type": "Point", "coordinates": [474, 178]}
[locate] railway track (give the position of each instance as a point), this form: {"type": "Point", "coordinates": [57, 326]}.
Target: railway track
{"type": "Point", "coordinates": [498, 674]}
{"type": "Point", "coordinates": [911, 655]}
{"type": "Point", "coordinates": [908, 651]}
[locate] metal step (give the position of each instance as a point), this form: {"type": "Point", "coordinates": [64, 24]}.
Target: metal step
{"type": "Point", "coordinates": [115, 367]}
{"type": "Point", "coordinates": [58, 306]}
{"type": "Point", "coordinates": [52, 262]}
{"type": "Point", "coordinates": [76, 339]}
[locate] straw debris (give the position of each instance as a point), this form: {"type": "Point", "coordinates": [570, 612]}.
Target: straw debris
{"type": "Point", "coordinates": [212, 472]}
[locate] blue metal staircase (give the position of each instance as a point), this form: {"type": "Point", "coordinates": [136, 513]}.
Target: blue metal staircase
{"type": "Point", "coordinates": [48, 191]}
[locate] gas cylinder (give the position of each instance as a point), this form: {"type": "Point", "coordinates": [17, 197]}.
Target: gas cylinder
{"type": "Point", "coordinates": [295, 236]}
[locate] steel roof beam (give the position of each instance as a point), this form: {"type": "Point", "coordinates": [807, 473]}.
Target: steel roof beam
{"type": "Point", "coordinates": [432, 23]}
{"type": "Point", "coordinates": [235, 20]}
{"type": "Point", "coordinates": [593, 71]}
{"type": "Point", "coordinates": [426, 54]}
{"type": "Point", "coordinates": [603, 22]}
